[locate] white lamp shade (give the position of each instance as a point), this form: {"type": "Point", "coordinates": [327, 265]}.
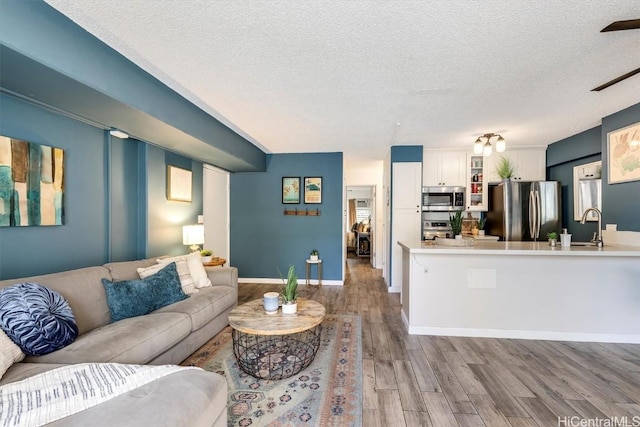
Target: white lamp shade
{"type": "Point", "coordinates": [486, 150]}
{"type": "Point", "coordinates": [501, 145]}
{"type": "Point", "coordinates": [193, 234]}
{"type": "Point", "coordinates": [477, 146]}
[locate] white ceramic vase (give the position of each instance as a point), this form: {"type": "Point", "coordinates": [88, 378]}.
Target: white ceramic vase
{"type": "Point", "coordinates": [289, 308]}
{"type": "Point", "coordinates": [313, 257]}
{"type": "Point", "coordinates": [206, 259]}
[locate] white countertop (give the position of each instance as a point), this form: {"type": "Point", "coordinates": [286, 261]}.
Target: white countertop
{"type": "Point", "coordinates": [520, 248]}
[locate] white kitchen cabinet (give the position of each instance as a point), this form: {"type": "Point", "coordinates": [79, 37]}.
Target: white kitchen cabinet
{"type": "Point", "coordinates": [442, 167]}
{"type": "Point", "coordinates": [529, 164]}
{"type": "Point", "coordinates": [476, 185]}
{"type": "Point", "coordinates": [406, 187]}
{"type": "Point", "coordinates": [405, 213]}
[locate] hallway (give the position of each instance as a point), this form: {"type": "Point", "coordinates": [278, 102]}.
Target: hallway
{"type": "Point", "coordinates": [412, 380]}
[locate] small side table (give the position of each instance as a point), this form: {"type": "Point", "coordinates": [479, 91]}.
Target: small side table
{"type": "Point", "coordinates": [215, 262]}
{"type": "Point", "coordinates": [319, 264]}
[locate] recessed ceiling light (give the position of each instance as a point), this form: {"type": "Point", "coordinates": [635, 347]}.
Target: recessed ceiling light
{"type": "Point", "coordinates": [119, 134]}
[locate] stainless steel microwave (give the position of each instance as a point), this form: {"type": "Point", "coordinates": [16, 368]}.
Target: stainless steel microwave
{"type": "Point", "coordinates": [443, 199]}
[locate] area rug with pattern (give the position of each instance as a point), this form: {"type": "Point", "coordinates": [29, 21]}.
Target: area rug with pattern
{"type": "Point", "coordinates": [327, 393]}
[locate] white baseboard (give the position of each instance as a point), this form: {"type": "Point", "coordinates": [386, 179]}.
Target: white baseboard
{"type": "Point", "coordinates": [520, 334]}
{"type": "Point", "coordinates": [395, 289]}
{"type": "Point", "coordinates": [270, 281]}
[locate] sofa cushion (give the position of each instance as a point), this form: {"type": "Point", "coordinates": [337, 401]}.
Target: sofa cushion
{"type": "Point", "coordinates": [186, 281]}
{"type": "Point", "coordinates": [130, 298]}
{"type": "Point", "coordinates": [205, 305]}
{"type": "Point", "coordinates": [135, 340]}
{"type": "Point", "coordinates": [193, 398]}
{"type": "Point", "coordinates": [196, 269]}
{"type": "Point", "coordinates": [36, 318]}
{"type": "Point", "coordinates": [82, 289]}
{"type": "Point", "coordinates": [10, 353]}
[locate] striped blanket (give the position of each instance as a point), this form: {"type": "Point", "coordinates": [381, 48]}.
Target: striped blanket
{"type": "Point", "coordinates": [61, 392]}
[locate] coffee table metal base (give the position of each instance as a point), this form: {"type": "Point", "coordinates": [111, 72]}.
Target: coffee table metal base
{"type": "Point", "coordinates": [274, 357]}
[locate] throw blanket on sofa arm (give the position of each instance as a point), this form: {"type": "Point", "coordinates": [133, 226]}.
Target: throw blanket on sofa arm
{"type": "Point", "coordinates": [64, 391]}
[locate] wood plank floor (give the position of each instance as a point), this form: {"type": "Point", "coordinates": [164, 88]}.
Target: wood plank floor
{"type": "Point", "coordinates": [412, 380]}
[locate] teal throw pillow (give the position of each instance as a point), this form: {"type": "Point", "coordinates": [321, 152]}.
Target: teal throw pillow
{"type": "Point", "coordinates": [130, 298]}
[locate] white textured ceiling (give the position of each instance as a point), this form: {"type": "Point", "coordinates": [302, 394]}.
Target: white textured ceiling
{"type": "Point", "coordinates": [310, 76]}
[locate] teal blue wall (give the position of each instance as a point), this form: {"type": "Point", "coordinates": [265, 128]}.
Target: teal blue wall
{"type": "Point", "coordinates": [106, 197]}
{"type": "Point", "coordinates": [264, 240]}
{"type": "Point", "coordinates": [620, 202]}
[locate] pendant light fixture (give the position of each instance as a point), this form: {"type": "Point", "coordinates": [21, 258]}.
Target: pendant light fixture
{"type": "Point", "coordinates": [483, 144]}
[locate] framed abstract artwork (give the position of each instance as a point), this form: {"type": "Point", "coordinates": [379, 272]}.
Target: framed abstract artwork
{"type": "Point", "coordinates": [290, 189]}
{"type": "Point", "coordinates": [31, 184]}
{"type": "Point", "coordinates": [623, 154]}
{"type": "Point", "coordinates": [179, 185]}
{"type": "Point", "coordinates": [313, 189]}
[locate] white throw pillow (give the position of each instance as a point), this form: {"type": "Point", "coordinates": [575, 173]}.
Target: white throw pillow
{"type": "Point", "coordinates": [10, 353]}
{"type": "Point", "coordinates": [186, 281]}
{"type": "Point", "coordinates": [196, 269]}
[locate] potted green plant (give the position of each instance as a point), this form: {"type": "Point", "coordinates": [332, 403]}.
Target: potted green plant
{"type": "Point", "coordinates": [481, 223]}
{"type": "Point", "coordinates": [504, 168]}
{"type": "Point", "coordinates": [290, 292]}
{"type": "Point", "coordinates": [207, 255]}
{"type": "Point", "coordinates": [456, 224]}
{"type": "Point", "coordinates": [553, 238]}
{"type": "Point", "coordinates": [314, 255]}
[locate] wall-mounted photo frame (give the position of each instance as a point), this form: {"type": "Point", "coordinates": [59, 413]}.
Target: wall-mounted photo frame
{"type": "Point", "coordinates": [313, 189]}
{"type": "Point", "coordinates": [179, 184]}
{"type": "Point", "coordinates": [290, 189]}
{"type": "Point", "coordinates": [623, 154]}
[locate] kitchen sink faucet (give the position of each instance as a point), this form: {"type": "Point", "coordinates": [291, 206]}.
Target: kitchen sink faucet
{"type": "Point", "coordinates": [597, 236]}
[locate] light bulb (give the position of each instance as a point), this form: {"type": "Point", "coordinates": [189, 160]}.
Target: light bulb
{"type": "Point", "coordinates": [500, 144]}
{"type": "Point", "coordinates": [486, 150]}
{"type": "Point", "coordinates": [477, 146]}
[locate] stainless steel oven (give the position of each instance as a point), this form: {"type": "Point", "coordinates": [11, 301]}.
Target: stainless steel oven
{"type": "Point", "coordinates": [433, 229]}
{"type": "Point", "coordinates": [443, 199]}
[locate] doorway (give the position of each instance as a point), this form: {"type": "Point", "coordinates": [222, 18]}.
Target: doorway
{"type": "Point", "coordinates": [361, 218]}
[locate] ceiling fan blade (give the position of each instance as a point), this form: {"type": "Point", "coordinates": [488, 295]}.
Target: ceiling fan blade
{"type": "Point", "coordinates": [630, 24]}
{"type": "Point", "coordinates": [616, 80]}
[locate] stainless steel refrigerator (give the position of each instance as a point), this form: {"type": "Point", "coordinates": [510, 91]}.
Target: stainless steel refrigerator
{"type": "Point", "coordinates": [524, 210]}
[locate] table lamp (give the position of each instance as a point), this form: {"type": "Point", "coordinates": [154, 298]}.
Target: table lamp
{"type": "Point", "coordinates": [193, 235]}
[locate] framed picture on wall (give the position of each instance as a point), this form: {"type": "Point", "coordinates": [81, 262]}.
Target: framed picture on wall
{"type": "Point", "coordinates": [290, 189]}
{"type": "Point", "coordinates": [179, 186]}
{"type": "Point", "coordinates": [624, 154]}
{"type": "Point", "coordinates": [313, 189]}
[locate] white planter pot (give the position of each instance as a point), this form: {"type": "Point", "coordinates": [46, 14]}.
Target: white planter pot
{"type": "Point", "coordinates": [459, 236]}
{"type": "Point", "coordinates": [206, 259]}
{"type": "Point", "coordinates": [480, 232]}
{"type": "Point", "coordinates": [288, 308]}
{"type": "Point", "coordinates": [313, 257]}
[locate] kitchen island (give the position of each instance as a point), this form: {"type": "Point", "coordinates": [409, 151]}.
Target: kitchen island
{"type": "Point", "coordinates": [522, 290]}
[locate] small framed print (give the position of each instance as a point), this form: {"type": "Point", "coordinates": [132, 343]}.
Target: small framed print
{"type": "Point", "coordinates": [179, 186]}
{"type": "Point", "coordinates": [290, 189]}
{"type": "Point", "coordinates": [313, 189]}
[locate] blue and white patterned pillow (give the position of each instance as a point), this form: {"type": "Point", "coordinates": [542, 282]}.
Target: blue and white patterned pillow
{"type": "Point", "coordinates": [38, 319]}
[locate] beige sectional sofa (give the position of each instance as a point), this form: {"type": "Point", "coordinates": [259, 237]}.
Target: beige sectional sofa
{"type": "Point", "coordinates": [166, 336]}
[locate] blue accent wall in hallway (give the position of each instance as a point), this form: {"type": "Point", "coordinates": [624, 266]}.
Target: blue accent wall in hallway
{"type": "Point", "coordinates": [110, 186]}
{"type": "Point", "coordinates": [264, 242]}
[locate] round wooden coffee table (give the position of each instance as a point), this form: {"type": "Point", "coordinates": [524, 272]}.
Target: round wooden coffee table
{"type": "Point", "coordinates": [276, 346]}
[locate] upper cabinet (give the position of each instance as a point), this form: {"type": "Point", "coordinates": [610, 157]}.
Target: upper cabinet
{"type": "Point", "coordinates": [476, 184]}
{"type": "Point", "coordinates": [444, 168]}
{"type": "Point", "coordinates": [529, 164]}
